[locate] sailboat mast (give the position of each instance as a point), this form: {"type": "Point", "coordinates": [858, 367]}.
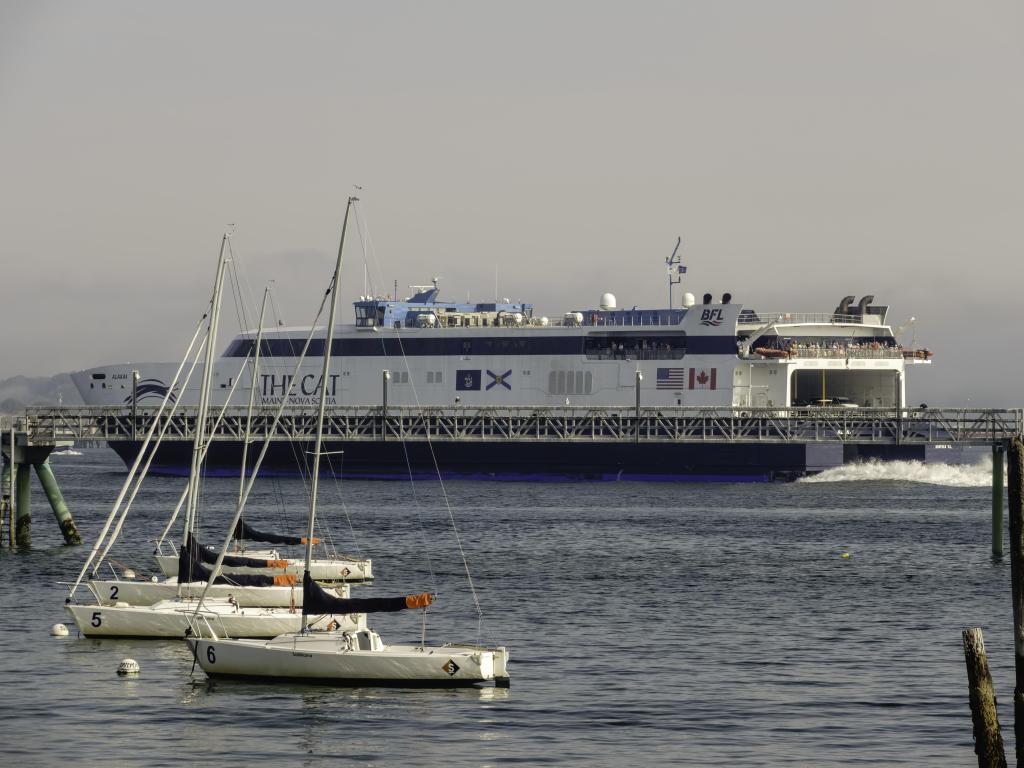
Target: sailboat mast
{"type": "Point", "coordinates": [204, 394]}
{"type": "Point", "coordinates": [252, 396]}
{"type": "Point", "coordinates": [335, 286]}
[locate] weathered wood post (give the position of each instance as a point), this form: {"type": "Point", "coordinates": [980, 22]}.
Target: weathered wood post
{"type": "Point", "coordinates": [997, 499]}
{"type": "Point", "coordinates": [60, 509]}
{"type": "Point", "coordinates": [23, 502]}
{"type": "Point", "coordinates": [988, 741]}
{"type": "Point", "coordinates": [1015, 465]}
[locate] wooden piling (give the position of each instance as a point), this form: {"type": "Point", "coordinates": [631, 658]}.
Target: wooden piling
{"type": "Point", "coordinates": [1015, 467]}
{"type": "Point", "coordinates": [997, 499]}
{"type": "Point", "coordinates": [988, 741]}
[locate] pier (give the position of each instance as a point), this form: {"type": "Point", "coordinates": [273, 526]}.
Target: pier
{"type": "Point", "coordinates": [853, 426]}
{"type": "Point", "coordinates": [20, 454]}
{"type": "Point", "coordinates": [605, 443]}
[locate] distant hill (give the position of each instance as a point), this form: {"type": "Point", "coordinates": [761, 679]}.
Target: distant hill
{"type": "Point", "coordinates": [20, 391]}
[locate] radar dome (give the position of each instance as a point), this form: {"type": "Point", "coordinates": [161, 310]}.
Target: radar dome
{"type": "Point", "coordinates": [607, 301]}
{"type": "Point", "coordinates": [689, 300]}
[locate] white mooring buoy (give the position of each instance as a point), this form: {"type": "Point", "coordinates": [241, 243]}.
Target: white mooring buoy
{"type": "Point", "coordinates": [128, 667]}
{"type": "Point", "coordinates": [129, 573]}
{"type": "Point", "coordinates": [59, 630]}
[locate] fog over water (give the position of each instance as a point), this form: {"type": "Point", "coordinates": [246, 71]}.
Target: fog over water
{"type": "Point", "coordinates": [803, 150]}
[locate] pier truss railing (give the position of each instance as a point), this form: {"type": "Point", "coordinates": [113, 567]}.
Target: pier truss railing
{"type": "Point", "coordinates": [964, 426]}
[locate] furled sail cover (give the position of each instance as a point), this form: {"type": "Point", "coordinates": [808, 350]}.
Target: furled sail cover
{"type": "Point", "coordinates": [245, 531]}
{"type": "Point", "coordinates": [190, 569]}
{"type": "Point", "coordinates": [207, 555]}
{"type": "Point", "coordinates": [316, 600]}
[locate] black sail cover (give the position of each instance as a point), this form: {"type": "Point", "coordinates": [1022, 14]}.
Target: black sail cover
{"type": "Point", "coordinates": [207, 555]}
{"type": "Point", "coordinates": [315, 599]}
{"type": "Point", "coordinates": [245, 531]}
{"type": "Point", "coordinates": [190, 569]}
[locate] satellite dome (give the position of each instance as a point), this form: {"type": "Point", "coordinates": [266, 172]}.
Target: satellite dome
{"type": "Point", "coordinates": [689, 300]}
{"type": "Point", "coordinates": [607, 301]}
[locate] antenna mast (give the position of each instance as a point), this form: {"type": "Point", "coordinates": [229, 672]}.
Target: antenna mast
{"type": "Point", "coordinates": [675, 268]}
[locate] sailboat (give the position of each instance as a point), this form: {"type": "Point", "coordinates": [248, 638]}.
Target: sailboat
{"type": "Point", "coordinates": [171, 617]}
{"type": "Point", "coordinates": [345, 656]}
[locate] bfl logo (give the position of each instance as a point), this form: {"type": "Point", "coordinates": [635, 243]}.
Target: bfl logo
{"type": "Point", "coordinates": [711, 317]}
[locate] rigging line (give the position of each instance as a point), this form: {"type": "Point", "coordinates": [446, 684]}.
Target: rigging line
{"type": "Point", "coordinates": [135, 465]}
{"type": "Point", "coordinates": [437, 469]}
{"type": "Point", "coordinates": [149, 461]}
{"type": "Point", "coordinates": [263, 452]}
{"type": "Point", "coordinates": [244, 285]}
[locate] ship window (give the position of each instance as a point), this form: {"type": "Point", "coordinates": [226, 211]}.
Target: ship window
{"type": "Point", "coordinates": [438, 378]}
{"type": "Point", "coordinates": [552, 383]}
{"type": "Point", "coordinates": [579, 382]}
{"type": "Point", "coordinates": [561, 382]}
{"type": "Point", "coordinates": [466, 347]}
{"type": "Point", "coordinates": [430, 377]}
{"type": "Point", "coordinates": [637, 346]}
{"type": "Point", "coordinates": [588, 382]}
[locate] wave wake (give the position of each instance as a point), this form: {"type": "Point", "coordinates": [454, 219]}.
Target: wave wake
{"type": "Point", "coordinates": [953, 475]}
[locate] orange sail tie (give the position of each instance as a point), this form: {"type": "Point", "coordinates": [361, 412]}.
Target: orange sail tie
{"type": "Point", "coordinates": [277, 563]}
{"type": "Point", "coordinates": [419, 601]}
{"type": "Point", "coordinates": [303, 540]}
{"type": "Point", "coordinates": [286, 580]}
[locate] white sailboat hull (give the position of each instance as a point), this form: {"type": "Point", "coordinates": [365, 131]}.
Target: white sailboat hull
{"type": "Point", "coordinates": [340, 569]}
{"type": "Point", "coordinates": [327, 658]}
{"type": "Point", "coordinates": [111, 591]}
{"type": "Point", "coordinates": [170, 618]}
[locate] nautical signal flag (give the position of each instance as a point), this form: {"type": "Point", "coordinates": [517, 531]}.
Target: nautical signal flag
{"type": "Point", "coordinates": [670, 378]}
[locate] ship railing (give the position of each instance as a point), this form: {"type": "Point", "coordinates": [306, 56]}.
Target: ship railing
{"type": "Point", "coordinates": [976, 426]}
{"type": "Point", "coordinates": [757, 318]}
{"type": "Point", "coordinates": [840, 352]}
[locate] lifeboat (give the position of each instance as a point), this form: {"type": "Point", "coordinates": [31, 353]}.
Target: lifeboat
{"type": "Point", "coordinates": [768, 352]}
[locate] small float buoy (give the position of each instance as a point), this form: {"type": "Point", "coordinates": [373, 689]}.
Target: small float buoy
{"type": "Point", "coordinates": [59, 630]}
{"type": "Point", "coordinates": [128, 667]}
{"type": "Point", "coordinates": [845, 555]}
{"type": "Point", "coordinates": [129, 573]}
{"type": "Point", "coordinates": [154, 579]}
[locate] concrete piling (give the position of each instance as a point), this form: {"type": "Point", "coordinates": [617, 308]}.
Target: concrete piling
{"type": "Point", "coordinates": [23, 503]}
{"type": "Point", "coordinates": [60, 508]}
{"type": "Point", "coordinates": [998, 450]}
{"type": "Point", "coordinates": [6, 509]}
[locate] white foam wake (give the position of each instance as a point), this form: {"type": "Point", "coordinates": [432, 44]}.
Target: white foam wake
{"type": "Point", "coordinates": [955, 475]}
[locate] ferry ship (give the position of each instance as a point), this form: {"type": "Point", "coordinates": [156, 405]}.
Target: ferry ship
{"type": "Point", "coordinates": [426, 352]}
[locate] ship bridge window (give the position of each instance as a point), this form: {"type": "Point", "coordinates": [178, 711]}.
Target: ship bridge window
{"type": "Point", "coordinates": [635, 347]}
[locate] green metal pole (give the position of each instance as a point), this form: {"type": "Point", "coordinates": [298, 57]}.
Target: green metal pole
{"type": "Point", "coordinates": [57, 503]}
{"type": "Point", "coordinates": [997, 500]}
{"type": "Point", "coordinates": [23, 524]}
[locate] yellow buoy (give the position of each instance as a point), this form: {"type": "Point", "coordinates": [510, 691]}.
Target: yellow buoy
{"type": "Point", "coordinates": [846, 554]}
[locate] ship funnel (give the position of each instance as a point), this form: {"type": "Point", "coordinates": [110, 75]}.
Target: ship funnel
{"type": "Point", "coordinates": [844, 305]}
{"type": "Point", "coordinates": [707, 298]}
{"type": "Point", "coordinates": [726, 298]}
{"type": "Point", "coordinates": [862, 307]}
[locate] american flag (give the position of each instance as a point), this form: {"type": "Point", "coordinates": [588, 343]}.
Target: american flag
{"type": "Point", "coordinates": [671, 378]}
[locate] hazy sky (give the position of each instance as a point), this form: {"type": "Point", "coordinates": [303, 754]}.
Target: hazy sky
{"type": "Point", "coordinates": [803, 150]}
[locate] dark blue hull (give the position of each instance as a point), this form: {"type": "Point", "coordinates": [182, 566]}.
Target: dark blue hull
{"type": "Point", "coordinates": [543, 461]}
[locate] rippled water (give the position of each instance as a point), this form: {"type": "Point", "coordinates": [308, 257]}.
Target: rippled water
{"type": "Point", "coordinates": [658, 624]}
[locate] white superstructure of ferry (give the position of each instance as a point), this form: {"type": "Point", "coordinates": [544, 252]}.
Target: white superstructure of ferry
{"type": "Point", "coordinates": [423, 351]}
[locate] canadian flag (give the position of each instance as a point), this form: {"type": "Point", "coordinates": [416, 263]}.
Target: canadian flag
{"type": "Point", "coordinates": [702, 378]}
